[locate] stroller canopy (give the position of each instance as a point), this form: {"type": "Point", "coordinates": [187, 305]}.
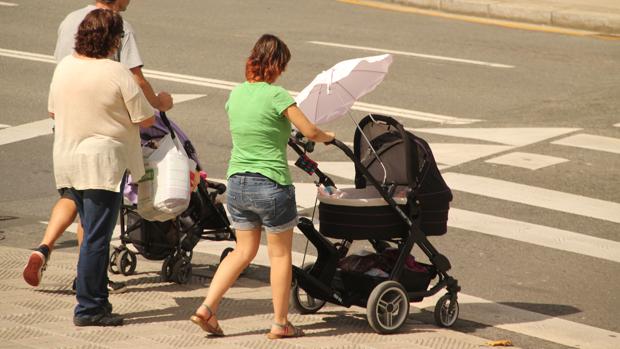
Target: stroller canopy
{"type": "Point", "coordinates": [396, 158]}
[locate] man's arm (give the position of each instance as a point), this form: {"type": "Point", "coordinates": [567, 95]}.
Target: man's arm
{"type": "Point", "coordinates": [148, 122]}
{"type": "Point", "coordinates": [161, 101]}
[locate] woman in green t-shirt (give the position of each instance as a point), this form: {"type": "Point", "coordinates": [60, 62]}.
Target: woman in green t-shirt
{"type": "Point", "coordinates": [260, 190]}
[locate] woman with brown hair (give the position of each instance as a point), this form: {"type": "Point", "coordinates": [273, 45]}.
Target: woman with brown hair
{"type": "Point", "coordinates": [260, 189]}
{"type": "Point", "coordinates": [98, 108]}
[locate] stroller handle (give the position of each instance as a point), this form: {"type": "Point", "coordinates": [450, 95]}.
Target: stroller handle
{"type": "Point", "coordinates": [164, 118]}
{"type": "Point", "coordinates": [323, 178]}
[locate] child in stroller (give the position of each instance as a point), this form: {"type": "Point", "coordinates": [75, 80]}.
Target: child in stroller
{"type": "Point", "coordinates": [171, 241]}
{"type": "Point", "coordinates": [399, 199]}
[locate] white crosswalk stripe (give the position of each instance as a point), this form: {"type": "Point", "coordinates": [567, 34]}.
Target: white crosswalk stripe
{"type": "Point", "coordinates": [592, 142]}
{"type": "Point", "coordinates": [534, 196]}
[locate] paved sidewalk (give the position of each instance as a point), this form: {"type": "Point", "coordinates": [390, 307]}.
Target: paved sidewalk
{"type": "Point", "coordinates": [156, 315]}
{"type": "Point", "coordinates": [601, 16]}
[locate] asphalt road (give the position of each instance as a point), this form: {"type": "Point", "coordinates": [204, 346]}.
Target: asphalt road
{"type": "Point", "coordinates": [530, 91]}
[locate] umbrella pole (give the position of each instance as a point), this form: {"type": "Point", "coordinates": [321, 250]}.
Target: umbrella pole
{"type": "Point", "coordinates": [370, 145]}
{"type": "Point", "coordinates": [362, 132]}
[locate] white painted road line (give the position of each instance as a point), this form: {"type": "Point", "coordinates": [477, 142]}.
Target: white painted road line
{"type": "Point", "coordinates": [539, 235]}
{"type": "Point", "coordinates": [8, 4]}
{"type": "Point", "coordinates": [515, 136]}
{"type": "Point", "coordinates": [553, 329]}
{"type": "Point", "coordinates": [180, 98]}
{"type": "Point", "coordinates": [190, 80]}
{"type": "Point", "coordinates": [229, 85]}
{"type": "Point", "coordinates": [453, 154]}
{"type": "Point", "coordinates": [4, 126]}
{"type": "Point", "coordinates": [526, 160]}
{"type": "Point", "coordinates": [413, 54]}
{"type": "Point", "coordinates": [26, 131]}
{"type": "Point", "coordinates": [27, 56]}
{"type": "Point", "coordinates": [592, 142]}
{"type": "Point", "coordinates": [534, 196]}
{"type": "Point", "coordinates": [412, 114]}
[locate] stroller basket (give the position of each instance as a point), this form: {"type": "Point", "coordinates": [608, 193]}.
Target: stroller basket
{"type": "Point", "coordinates": [363, 284]}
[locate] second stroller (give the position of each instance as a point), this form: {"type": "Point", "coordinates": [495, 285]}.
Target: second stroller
{"type": "Point", "coordinates": [173, 240]}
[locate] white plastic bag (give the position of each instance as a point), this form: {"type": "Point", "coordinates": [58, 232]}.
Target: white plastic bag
{"type": "Point", "coordinates": [165, 188]}
{"type": "Point", "coordinates": [146, 196]}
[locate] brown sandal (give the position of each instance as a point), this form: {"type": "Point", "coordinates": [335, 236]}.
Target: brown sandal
{"type": "Point", "coordinates": [290, 331]}
{"type": "Point", "coordinates": [204, 323]}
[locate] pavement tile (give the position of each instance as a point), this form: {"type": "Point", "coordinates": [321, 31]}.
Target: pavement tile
{"type": "Point", "coordinates": [13, 345]}
{"type": "Point", "coordinates": [148, 330]}
{"type": "Point", "coordinates": [60, 327]}
{"type": "Point", "coordinates": [18, 333]}
{"type": "Point", "coordinates": [396, 345]}
{"type": "Point", "coordinates": [32, 318]}
{"type": "Point", "coordinates": [7, 287]}
{"type": "Point", "coordinates": [100, 335]}
{"type": "Point", "coordinates": [139, 343]}
{"type": "Point", "coordinates": [12, 309]}
{"type": "Point", "coordinates": [260, 341]}
{"type": "Point", "coordinates": [220, 346]}
{"type": "Point", "coordinates": [42, 304]}
{"type": "Point", "coordinates": [54, 342]}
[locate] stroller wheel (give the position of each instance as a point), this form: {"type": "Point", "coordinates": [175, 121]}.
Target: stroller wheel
{"type": "Point", "coordinates": [388, 307]}
{"type": "Point", "coordinates": [126, 262]}
{"type": "Point", "coordinates": [166, 268]}
{"type": "Point", "coordinates": [182, 270]}
{"type": "Point", "coordinates": [302, 301]}
{"type": "Point", "coordinates": [446, 310]}
{"type": "Point", "coordinates": [112, 268]}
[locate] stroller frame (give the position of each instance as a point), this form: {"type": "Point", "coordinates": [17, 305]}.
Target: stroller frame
{"type": "Point", "coordinates": [320, 281]}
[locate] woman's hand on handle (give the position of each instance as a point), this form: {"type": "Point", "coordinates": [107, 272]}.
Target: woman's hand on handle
{"type": "Point", "coordinates": [307, 128]}
{"type": "Point", "coordinates": [332, 135]}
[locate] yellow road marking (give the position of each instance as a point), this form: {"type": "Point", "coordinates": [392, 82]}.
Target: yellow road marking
{"type": "Point", "coordinates": [478, 20]}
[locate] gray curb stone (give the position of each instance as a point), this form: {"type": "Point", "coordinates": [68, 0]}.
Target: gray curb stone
{"type": "Point", "coordinates": [608, 23]}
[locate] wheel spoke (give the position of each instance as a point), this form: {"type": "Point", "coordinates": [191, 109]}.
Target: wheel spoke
{"type": "Point", "coordinates": [382, 305]}
{"type": "Point", "coordinates": [397, 300]}
{"type": "Point", "coordinates": [389, 319]}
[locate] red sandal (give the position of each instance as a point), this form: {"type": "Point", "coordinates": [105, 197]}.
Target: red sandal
{"type": "Point", "coordinates": [290, 331]}
{"type": "Point", "coordinates": [204, 323]}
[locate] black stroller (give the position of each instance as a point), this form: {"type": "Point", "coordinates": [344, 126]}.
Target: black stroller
{"type": "Point", "coordinates": [172, 241]}
{"type": "Point", "coordinates": [388, 160]}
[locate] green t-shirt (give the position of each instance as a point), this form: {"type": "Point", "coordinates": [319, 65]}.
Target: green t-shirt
{"type": "Point", "coordinates": [259, 130]}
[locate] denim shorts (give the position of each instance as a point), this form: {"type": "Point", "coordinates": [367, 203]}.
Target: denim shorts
{"type": "Point", "coordinates": [254, 200]}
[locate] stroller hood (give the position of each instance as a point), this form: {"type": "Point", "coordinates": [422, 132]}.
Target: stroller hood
{"type": "Point", "coordinates": [396, 157]}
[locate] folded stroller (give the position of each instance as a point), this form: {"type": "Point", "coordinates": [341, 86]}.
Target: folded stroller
{"type": "Point", "coordinates": [399, 199]}
{"type": "Point", "coordinates": [171, 241]}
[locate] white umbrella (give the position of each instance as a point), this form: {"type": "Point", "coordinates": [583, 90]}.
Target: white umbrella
{"type": "Point", "coordinates": [332, 93]}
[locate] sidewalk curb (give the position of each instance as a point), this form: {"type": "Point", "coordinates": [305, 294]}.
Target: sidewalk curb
{"type": "Point", "coordinates": [608, 23]}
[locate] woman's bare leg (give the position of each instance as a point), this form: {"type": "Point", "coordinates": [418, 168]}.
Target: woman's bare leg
{"type": "Point", "coordinates": [280, 246]}
{"type": "Point", "coordinates": [62, 216]}
{"type": "Point", "coordinates": [229, 270]}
